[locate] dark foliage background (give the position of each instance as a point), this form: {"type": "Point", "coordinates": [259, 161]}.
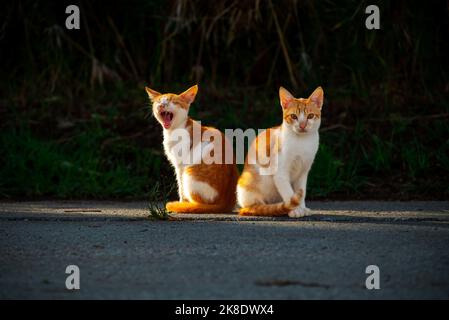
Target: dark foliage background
{"type": "Point", "coordinates": [75, 120]}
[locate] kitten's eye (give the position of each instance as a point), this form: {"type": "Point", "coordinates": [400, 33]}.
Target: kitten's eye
{"type": "Point", "coordinates": [310, 116]}
{"type": "Point", "coordinates": [293, 116]}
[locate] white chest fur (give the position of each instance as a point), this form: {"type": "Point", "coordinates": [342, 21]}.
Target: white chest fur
{"type": "Point", "coordinates": [298, 152]}
{"type": "Point", "coordinates": [177, 146]}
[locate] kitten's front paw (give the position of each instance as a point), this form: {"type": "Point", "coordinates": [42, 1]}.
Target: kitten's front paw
{"type": "Point", "coordinates": [297, 213]}
{"type": "Point", "coordinates": [307, 211]}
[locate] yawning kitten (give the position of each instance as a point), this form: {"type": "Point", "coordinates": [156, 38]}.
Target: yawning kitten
{"type": "Point", "coordinates": [291, 149]}
{"type": "Point", "coordinates": [202, 186]}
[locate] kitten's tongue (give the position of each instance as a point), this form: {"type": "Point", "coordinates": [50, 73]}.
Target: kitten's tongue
{"type": "Point", "coordinates": [166, 119]}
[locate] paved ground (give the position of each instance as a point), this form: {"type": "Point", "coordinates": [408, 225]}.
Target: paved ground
{"type": "Point", "coordinates": [123, 254]}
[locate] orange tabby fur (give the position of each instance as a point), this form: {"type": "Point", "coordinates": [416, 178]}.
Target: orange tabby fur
{"type": "Point", "coordinates": [291, 148]}
{"type": "Point", "coordinates": [249, 180]}
{"type": "Point", "coordinates": [202, 187]}
{"type": "Point", "coordinates": [273, 209]}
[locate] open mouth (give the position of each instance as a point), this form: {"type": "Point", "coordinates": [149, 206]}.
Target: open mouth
{"type": "Point", "coordinates": [167, 118]}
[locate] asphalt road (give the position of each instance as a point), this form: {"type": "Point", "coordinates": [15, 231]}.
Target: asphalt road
{"type": "Point", "coordinates": [123, 254]}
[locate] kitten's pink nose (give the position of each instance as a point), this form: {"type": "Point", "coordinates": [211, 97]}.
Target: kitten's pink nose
{"type": "Point", "coordinates": [302, 125]}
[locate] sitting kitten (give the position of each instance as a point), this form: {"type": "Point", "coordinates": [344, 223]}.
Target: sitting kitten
{"type": "Point", "coordinates": [202, 187]}
{"type": "Point", "coordinates": [291, 147]}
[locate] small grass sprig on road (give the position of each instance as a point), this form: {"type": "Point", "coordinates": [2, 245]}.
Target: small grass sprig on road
{"type": "Point", "coordinates": [159, 194]}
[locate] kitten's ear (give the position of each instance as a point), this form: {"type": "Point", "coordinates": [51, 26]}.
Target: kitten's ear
{"type": "Point", "coordinates": [152, 94]}
{"type": "Point", "coordinates": [285, 97]}
{"type": "Point", "coordinates": [189, 95]}
{"type": "Point", "coordinates": [317, 97]}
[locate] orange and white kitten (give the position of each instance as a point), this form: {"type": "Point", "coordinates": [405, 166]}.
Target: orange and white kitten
{"type": "Point", "coordinates": [291, 148]}
{"type": "Point", "coordinates": [202, 187]}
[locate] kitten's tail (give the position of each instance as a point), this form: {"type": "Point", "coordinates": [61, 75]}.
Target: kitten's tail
{"type": "Point", "coordinates": [273, 209]}
{"type": "Point", "coordinates": [193, 207]}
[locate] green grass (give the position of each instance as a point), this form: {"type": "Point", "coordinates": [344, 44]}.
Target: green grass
{"type": "Point", "coordinates": [332, 174]}
{"type": "Point", "coordinates": [81, 167]}
{"type": "Point", "coordinates": [94, 161]}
